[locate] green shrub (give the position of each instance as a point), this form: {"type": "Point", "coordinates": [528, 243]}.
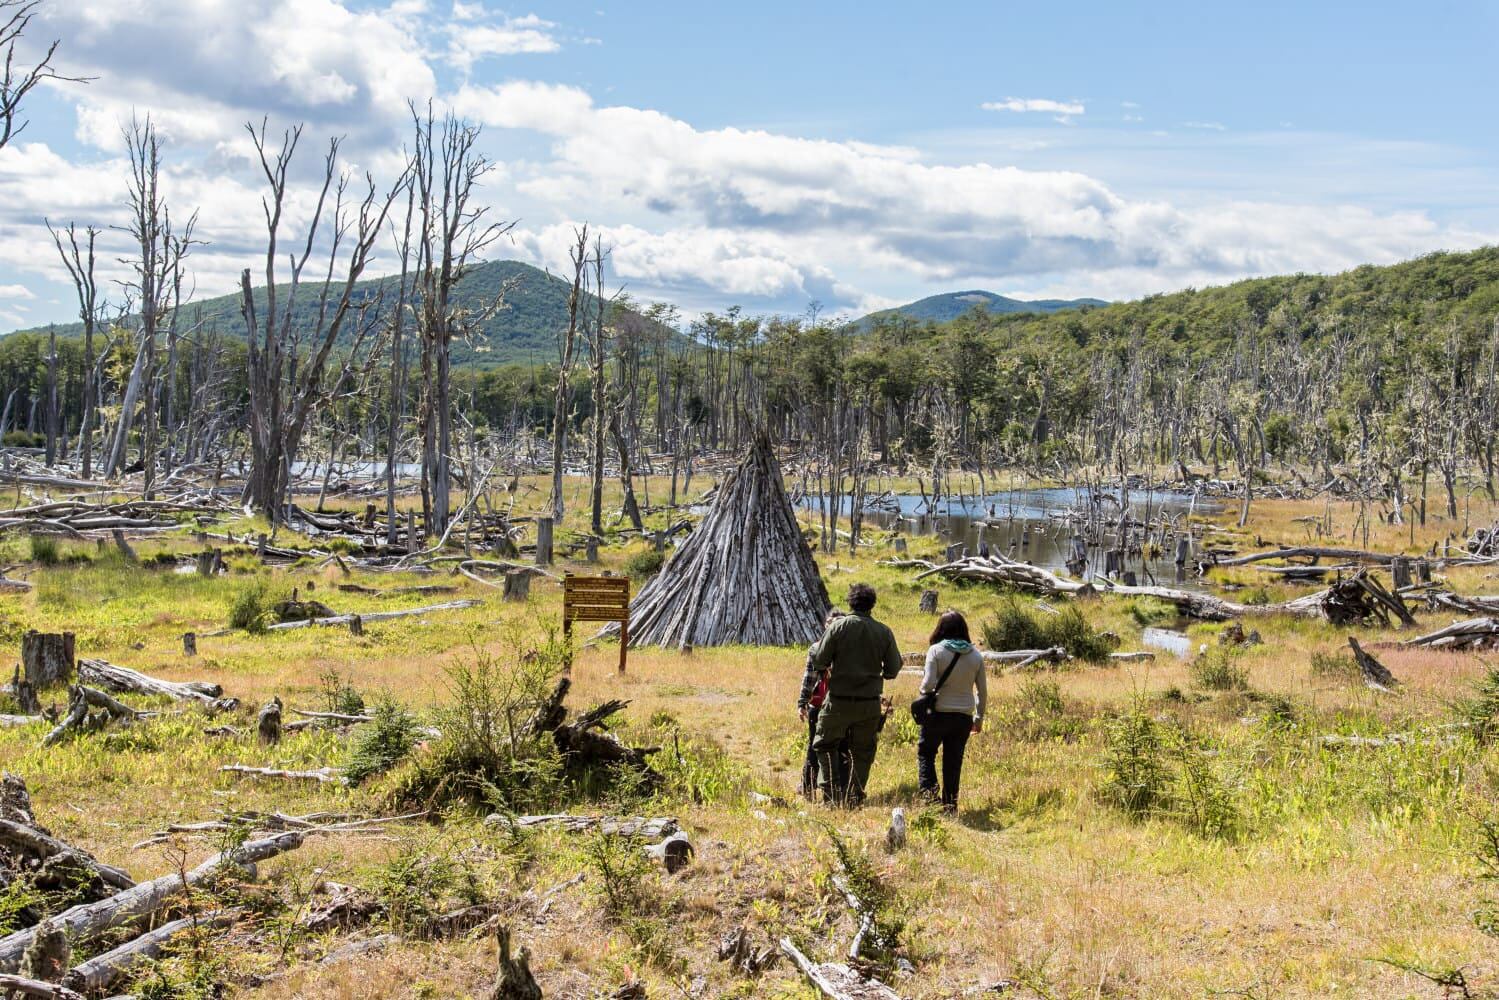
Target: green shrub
{"type": "Point", "coordinates": [1136, 776]}
{"type": "Point", "coordinates": [625, 885]}
{"type": "Point", "coordinates": [1014, 626]}
{"type": "Point", "coordinates": [24, 439]}
{"type": "Point", "coordinates": [1204, 802]}
{"type": "Point", "coordinates": [858, 877]}
{"type": "Point", "coordinates": [644, 565]}
{"type": "Point", "coordinates": [45, 550]}
{"type": "Point", "coordinates": [252, 606]}
{"type": "Point", "coordinates": [339, 696]}
{"type": "Point", "coordinates": [1479, 712]}
{"type": "Point", "coordinates": [382, 743]}
{"type": "Point", "coordinates": [1218, 669]}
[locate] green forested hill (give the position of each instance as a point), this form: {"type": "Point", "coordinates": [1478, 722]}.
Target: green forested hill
{"type": "Point", "coordinates": [524, 329]}
{"type": "Point", "coordinates": [951, 305]}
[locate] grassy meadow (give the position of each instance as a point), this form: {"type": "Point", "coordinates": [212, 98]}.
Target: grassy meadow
{"type": "Point", "coordinates": [1170, 828]}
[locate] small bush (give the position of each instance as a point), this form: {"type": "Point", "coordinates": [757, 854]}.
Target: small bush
{"type": "Point", "coordinates": [24, 439]}
{"type": "Point", "coordinates": [1016, 627]}
{"type": "Point", "coordinates": [252, 607]}
{"type": "Point", "coordinates": [45, 550]}
{"type": "Point", "coordinates": [1204, 802]}
{"type": "Point", "coordinates": [1136, 776]}
{"type": "Point", "coordinates": [859, 878]}
{"type": "Point", "coordinates": [1218, 669]}
{"type": "Point", "coordinates": [382, 743]}
{"type": "Point", "coordinates": [339, 696]}
{"type": "Point", "coordinates": [644, 565]}
{"type": "Point", "coordinates": [1479, 712]}
{"type": "Point", "coordinates": [630, 898]}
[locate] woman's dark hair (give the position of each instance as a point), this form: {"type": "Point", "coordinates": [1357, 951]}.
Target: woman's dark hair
{"type": "Point", "coordinates": [952, 625]}
{"type": "Point", "coordinates": [860, 598]}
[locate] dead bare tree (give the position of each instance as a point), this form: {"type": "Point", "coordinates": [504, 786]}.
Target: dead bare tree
{"type": "Point", "coordinates": [598, 349]}
{"type": "Point", "coordinates": [288, 356]}
{"type": "Point", "coordinates": [566, 344]}
{"type": "Point", "coordinates": [446, 169]}
{"type": "Point", "coordinates": [19, 76]}
{"type": "Point", "coordinates": [80, 264]}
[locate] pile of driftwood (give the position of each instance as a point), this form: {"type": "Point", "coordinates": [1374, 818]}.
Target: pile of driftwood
{"type": "Point", "coordinates": [744, 576]}
{"type": "Point", "coordinates": [103, 901]}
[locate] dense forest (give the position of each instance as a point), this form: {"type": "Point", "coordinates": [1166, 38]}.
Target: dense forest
{"type": "Point", "coordinates": [1382, 377]}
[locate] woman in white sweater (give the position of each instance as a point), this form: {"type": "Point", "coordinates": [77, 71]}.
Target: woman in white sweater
{"type": "Point", "coordinates": [955, 670]}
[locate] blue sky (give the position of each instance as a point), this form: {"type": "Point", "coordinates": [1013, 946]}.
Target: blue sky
{"type": "Point", "coordinates": [773, 154]}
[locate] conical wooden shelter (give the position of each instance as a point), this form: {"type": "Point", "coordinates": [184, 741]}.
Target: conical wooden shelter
{"type": "Point", "coordinates": [744, 576]}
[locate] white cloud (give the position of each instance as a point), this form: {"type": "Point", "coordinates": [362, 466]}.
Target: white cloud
{"type": "Point", "coordinates": [1029, 104]}
{"type": "Point", "coordinates": [1208, 126]}
{"type": "Point", "coordinates": [471, 43]}
{"type": "Point", "coordinates": [14, 293]}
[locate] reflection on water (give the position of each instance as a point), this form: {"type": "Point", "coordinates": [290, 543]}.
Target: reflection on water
{"type": "Point", "coordinates": [1039, 527]}
{"type": "Point", "coordinates": [1169, 640]}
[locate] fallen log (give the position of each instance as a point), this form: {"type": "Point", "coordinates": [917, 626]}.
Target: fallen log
{"type": "Point", "coordinates": [1376, 675]}
{"type": "Point", "coordinates": [87, 922]}
{"type": "Point", "coordinates": [20, 986]}
{"type": "Point", "coordinates": [375, 616]}
{"type": "Point", "coordinates": [1311, 552]}
{"type": "Point", "coordinates": [1475, 633]}
{"type": "Point", "coordinates": [126, 681]}
{"type": "Point", "coordinates": [835, 981]}
{"type": "Point", "coordinates": [95, 976]}
{"type": "Point", "coordinates": [323, 775]}
{"type": "Point", "coordinates": [648, 828]}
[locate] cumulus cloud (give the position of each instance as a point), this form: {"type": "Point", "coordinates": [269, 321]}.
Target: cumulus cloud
{"type": "Point", "coordinates": [1032, 104]}
{"type": "Point", "coordinates": [513, 36]}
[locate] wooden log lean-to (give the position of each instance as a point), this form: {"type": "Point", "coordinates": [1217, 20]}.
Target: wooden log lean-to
{"type": "Point", "coordinates": [745, 575]}
{"type": "Point", "coordinates": [88, 922]}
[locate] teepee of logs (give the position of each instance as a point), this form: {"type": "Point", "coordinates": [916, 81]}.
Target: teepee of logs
{"type": "Point", "coordinates": [744, 576]}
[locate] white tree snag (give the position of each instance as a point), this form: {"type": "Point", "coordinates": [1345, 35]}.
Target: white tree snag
{"type": "Point", "coordinates": [86, 922]}
{"type": "Point", "coordinates": [95, 976]}
{"type": "Point", "coordinates": [376, 616]}
{"type": "Point", "coordinates": [837, 982]}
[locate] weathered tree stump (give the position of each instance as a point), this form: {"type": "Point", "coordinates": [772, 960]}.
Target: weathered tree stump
{"type": "Point", "coordinates": [591, 549]}
{"type": "Point", "coordinates": [210, 562]}
{"type": "Point", "coordinates": [900, 545]}
{"type": "Point", "coordinates": [269, 722]}
{"type": "Point", "coordinates": [1423, 571]}
{"type": "Point", "coordinates": [659, 539]}
{"type": "Point", "coordinates": [189, 644]}
{"type": "Point", "coordinates": [1400, 571]}
{"type": "Point", "coordinates": [260, 543]}
{"type": "Point", "coordinates": [124, 546]}
{"type": "Point", "coordinates": [411, 542]}
{"type": "Point", "coordinates": [929, 602]}
{"type": "Point", "coordinates": [369, 515]}
{"type": "Point", "coordinates": [544, 527]}
{"type": "Point", "coordinates": [356, 625]}
{"type": "Point", "coordinates": [514, 980]}
{"type": "Point", "coordinates": [48, 658]}
{"type": "Point", "coordinates": [517, 586]}
{"type": "Point", "coordinates": [27, 702]}
{"type": "Point", "coordinates": [956, 551]}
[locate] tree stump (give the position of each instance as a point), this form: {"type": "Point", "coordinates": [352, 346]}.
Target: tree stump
{"type": "Point", "coordinates": [27, 702]}
{"type": "Point", "coordinates": [124, 546]}
{"type": "Point", "coordinates": [660, 539]}
{"type": "Point", "coordinates": [411, 545]}
{"type": "Point", "coordinates": [591, 549]}
{"type": "Point", "coordinates": [48, 658]}
{"type": "Point", "coordinates": [260, 544]}
{"type": "Point", "coordinates": [900, 546]}
{"type": "Point", "coordinates": [189, 644]}
{"type": "Point", "coordinates": [544, 541]}
{"type": "Point", "coordinates": [514, 980]}
{"type": "Point", "coordinates": [210, 562]}
{"type": "Point", "coordinates": [1400, 571]}
{"type": "Point", "coordinates": [929, 602]}
{"type": "Point", "coordinates": [269, 722]}
{"type": "Point", "coordinates": [1183, 549]}
{"type": "Point", "coordinates": [369, 515]}
{"type": "Point", "coordinates": [956, 551]}
{"type": "Point", "coordinates": [1423, 571]}
{"type": "Point", "coordinates": [517, 586]}
{"type": "Point", "coordinates": [356, 625]}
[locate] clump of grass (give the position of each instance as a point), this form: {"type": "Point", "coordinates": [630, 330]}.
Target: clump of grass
{"type": "Point", "coordinates": [1148, 611]}
{"type": "Point", "coordinates": [644, 565]}
{"type": "Point", "coordinates": [1334, 666]}
{"type": "Point", "coordinates": [1219, 668]}
{"type": "Point", "coordinates": [45, 550]}
{"type": "Point", "coordinates": [697, 770]}
{"type": "Point", "coordinates": [413, 886]}
{"type": "Point", "coordinates": [252, 606]}
{"type": "Point", "coordinates": [382, 743]}
{"type": "Point", "coordinates": [624, 885]}
{"type": "Point", "coordinates": [1014, 626]}
{"type": "Point", "coordinates": [1137, 778]}
{"type": "Point", "coordinates": [1038, 712]}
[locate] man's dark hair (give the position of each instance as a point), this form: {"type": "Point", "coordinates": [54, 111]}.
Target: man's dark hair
{"type": "Point", "coordinates": [860, 598]}
{"type": "Point", "coordinates": [952, 625]}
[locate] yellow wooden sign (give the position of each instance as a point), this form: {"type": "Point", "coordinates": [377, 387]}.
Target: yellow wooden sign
{"type": "Point", "coordinates": [596, 599]}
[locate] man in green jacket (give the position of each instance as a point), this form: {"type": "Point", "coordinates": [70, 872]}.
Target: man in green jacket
{"type": "Point", "coordinates": [859, 654]}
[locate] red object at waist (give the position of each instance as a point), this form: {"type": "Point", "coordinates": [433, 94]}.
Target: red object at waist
{"type": "Point", "coordinates": [819, 693]}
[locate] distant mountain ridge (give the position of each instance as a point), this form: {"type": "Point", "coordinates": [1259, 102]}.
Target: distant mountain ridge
{"type": "Point", "coordinates": [950, 305]}
{"type": "Point", "coordinates": [525, 329]}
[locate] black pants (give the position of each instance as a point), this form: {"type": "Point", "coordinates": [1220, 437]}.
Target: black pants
{"type": "Point", "coordinates": [948, 732]}
{"type": "Point", "coordinates": [842, 761]}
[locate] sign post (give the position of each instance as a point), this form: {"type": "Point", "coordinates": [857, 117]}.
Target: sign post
{"type": "Point", "coordinates": [596, 599]}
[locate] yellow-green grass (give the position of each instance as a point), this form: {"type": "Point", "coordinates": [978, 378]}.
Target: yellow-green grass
{"type": "Point", "coordinates": [1342, 855]}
